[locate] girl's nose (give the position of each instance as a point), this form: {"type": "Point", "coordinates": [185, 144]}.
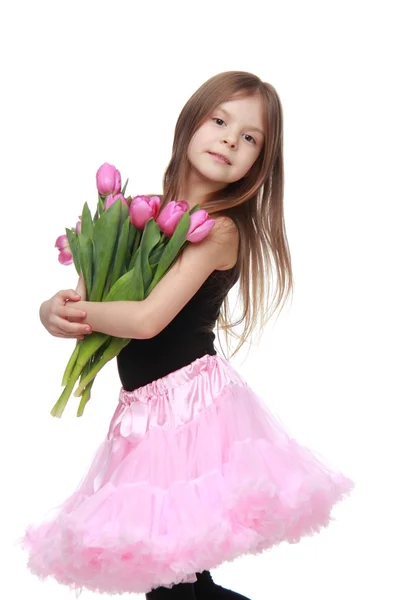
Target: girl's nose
{"type": "Point", "coordinates": [230, 141]}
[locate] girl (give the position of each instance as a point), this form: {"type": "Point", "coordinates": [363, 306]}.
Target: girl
{"type": "Point", "coordinates": [195, 470]}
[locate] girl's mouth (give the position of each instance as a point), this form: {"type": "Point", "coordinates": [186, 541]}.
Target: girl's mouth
{"type": "Point", "coordinates": [218, 158]}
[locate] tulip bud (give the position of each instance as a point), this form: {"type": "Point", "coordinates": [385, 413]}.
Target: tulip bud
{"type": "Point", "coordinates": [108, 180]}
{"type": "Point", "coordinates": [171, 215]}
{"type": "Point", "coordinates": [111, 199]}
{"type": "Point", "coordinates": [200, 226]}
{"type": "Point", "coordinates": [78, 225]}
{"type": "Point", "coordinates": [142, 209]}
{"type": "Point", "coordinates": [65, 254]}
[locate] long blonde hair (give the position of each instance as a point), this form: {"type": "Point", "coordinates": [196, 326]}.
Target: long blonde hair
{"type": "Point", "coordinates": [254, 203]}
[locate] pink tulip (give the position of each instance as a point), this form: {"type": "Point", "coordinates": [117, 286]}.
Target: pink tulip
{"type": "Point", "coordinates": [108, 180]}
{"type": "Point", "coordinates": [200, 226]}
{"type": "Point", "coordinates": [78, 226]}
{"type": "Point", "coordinates": [142, 209]}
{"type": "Point", "coordinates": [111, 199]}
{"type": "Point", "coordinates": [171, 215]}
{"type": "Point", "coordinates": [65, 254]}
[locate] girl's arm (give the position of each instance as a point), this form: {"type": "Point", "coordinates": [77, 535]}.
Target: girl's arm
{"type": "Point", "coordinates": [145, 319]}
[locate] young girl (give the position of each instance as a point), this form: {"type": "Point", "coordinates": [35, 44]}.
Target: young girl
{"type": "Point", "coordinates": [195, 470]}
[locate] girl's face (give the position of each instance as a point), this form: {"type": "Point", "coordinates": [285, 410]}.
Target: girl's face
{"type": "Point", "coordinates": [234, 130]}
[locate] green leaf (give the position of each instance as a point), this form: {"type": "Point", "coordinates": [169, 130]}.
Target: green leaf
{"type": "Point", "coordinates": [150, 239]}
{"type": "Point", "coordinates": [120, 254]}
{"type": "Point", "coordinates": [124, 188]}
{"type": "Point", "coordinates": [122, 288]}
{"type": "Point", "coordinates": [136, 244]}
{"type": "Point", "coordinates": [124, 211]}
{"type": "Point", "coordinates": [105, 232]}
{"type": "Point", "coordinates": [127, 287]}
{"type": "Point", "coordinates": [116, 269]}
{"type": "Point", "coordinates": [172, 249]}
{"type": "Point", "coordinates": [131, 241]}
{"type": "Point", "coordinates": [137, 280]}
{"type": "Point", "coordinates": [86, 260]}
{"type": "Point", "coordinates": [87, 223]}
{"type": "Point", "coordinates": [156, 255]}
{"type": "Point", "coordinates": [100, 208]}
{"type": "Point", "coordinates": [73, 244]}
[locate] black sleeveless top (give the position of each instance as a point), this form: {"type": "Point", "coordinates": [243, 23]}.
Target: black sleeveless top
{"type": "Point", "coordinates": [187, 337]}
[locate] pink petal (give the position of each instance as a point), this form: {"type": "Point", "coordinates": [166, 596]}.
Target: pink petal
{"type": "Point", "coordinates": [155, 204]}
{"type": "Point", "coordinates": [170, 209]}
{"type": "Point", "coordinates": [117, 182]}
{"type": "Point", "coordinates": [171, 224]}
{"type": "Point", "coordinates": [140, 213]}
{"type": "Point", "coordinates": [201, 232]}
{"type": "Point", "coordinates": [183, 205]}
{"type": "Point", "coordinates": [65, 257]}
{"type": "Point", "coordinates": [107, 178]}
{"type": "Point", "coordinates": [61, 242]}
{"type": "Point", "coordinates": [197, 219]}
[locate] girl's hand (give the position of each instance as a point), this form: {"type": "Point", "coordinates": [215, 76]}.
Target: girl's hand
{"type": "Point", "coordinates": [55, 315]}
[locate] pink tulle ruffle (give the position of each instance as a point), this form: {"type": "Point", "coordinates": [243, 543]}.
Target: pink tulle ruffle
{"type": "Point", "coordinates": [226, 482]}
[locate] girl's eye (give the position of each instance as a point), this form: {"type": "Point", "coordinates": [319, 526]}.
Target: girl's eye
{"type": "Point", "coordinates": [253, 141]}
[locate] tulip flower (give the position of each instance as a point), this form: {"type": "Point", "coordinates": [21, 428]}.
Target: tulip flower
{"type": "Point", "coordinates": [171, 215]}
{"type": "Point", "coordinates": [113, 198]}
{"type": "Point", "coordinates": [108, 180]}
{"type": "Point", "coordinates": [78, 226]}
{"type": "Point", "coordinates": [200, 226]}
{"type": "Point", "coordinates": [142, 209]}
{"type": "Point", "coordinates": [65, 254]}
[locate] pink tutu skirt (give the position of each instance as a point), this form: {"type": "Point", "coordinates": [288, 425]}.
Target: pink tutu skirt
{"type": "Point", "coordinates": [194, 471]}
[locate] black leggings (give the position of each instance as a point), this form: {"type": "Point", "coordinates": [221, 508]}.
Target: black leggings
{"type": "Point", "coordinates": [181, 591]}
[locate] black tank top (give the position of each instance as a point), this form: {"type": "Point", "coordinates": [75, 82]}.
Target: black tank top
{"type": "Point", "coordinates": [187, 337]}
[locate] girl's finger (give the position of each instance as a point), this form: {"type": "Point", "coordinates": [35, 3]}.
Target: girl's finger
{"type": "Point", "coordinates": [74, 319]}
{"type": "Point", "coordinates": [68, 311]}
{"type": "Point", "coordinates": [73, 329]}
{"type": "Point", "coordinates": [65, 295]}
{"type": "Point", "coordinates": [59, 334]}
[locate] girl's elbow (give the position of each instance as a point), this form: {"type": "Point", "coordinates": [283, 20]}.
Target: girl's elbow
{"type": "Point", "coordinates": [148, 321]}
{"type": "Point", "coordinates": [144, 329]}
{"type": "Point", "coordinates": [148, 331]}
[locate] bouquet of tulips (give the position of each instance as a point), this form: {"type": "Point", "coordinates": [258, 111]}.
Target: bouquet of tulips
{"type": "Point", "coordinates": [121, 253]}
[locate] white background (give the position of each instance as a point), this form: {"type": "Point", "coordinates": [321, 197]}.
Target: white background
{"type": "Point", "coordinates": [83, 83]}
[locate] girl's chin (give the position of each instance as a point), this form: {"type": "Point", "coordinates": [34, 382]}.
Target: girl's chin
{"type": "Point", "coordinates": [200, 173]}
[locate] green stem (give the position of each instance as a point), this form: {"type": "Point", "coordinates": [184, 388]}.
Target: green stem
{"type": "Point", "coordinates": [70, 365]}
{"type": "Point", "coordinates": [84, 399]}
{"type": "Point", "coordinates": [90, 345]}
{"type": "Point", "coordinates": [88, 366]}
{"type": "Point", "coordinates": [86, 394]}
{"type": "Point", "coordinates": [115, 347]}
{"type": "Point", "coordinates": [61, 403]}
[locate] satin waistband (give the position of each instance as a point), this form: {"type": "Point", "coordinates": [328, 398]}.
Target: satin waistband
{"type": "Point", "coordinates": [170, 401]}
{"type": "Point", "coordinates": [175, 398]}
{"type": "Point", "coordinates": [215, 366]}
